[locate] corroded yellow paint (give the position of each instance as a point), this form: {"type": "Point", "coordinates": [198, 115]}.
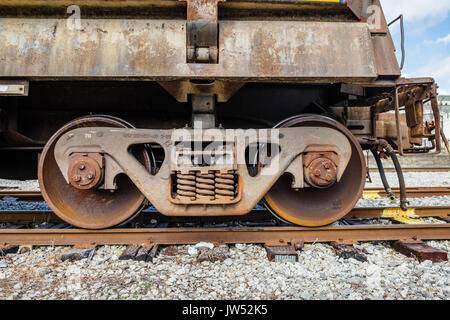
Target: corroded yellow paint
{"type": "Point", "coordinates": [407, 220]}
{"type": "Point", "coordinates": [371, 195]}
{"type": "Point", "coordinates": [397, 213]}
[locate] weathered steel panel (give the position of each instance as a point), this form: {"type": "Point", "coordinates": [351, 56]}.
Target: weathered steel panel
{"type": "Point", "coordinates": [156, 49]}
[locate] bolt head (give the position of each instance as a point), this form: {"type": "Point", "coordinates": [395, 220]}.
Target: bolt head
{"type": "Point", "coordinates": [81, 166]}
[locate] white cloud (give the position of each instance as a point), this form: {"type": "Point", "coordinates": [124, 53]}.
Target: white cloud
{"type": "Point", "coordinates": [417, 10]}
{"type": "Point", "coordinates": [440, 70]}
{"type": "Point", "coordinates": [444, 39]}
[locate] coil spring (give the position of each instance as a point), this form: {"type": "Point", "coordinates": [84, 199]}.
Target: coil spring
{"type": "Point", "coordinates": [186, 185]}
{"type": "Point", "coordinates": [225, 186]}
{"type": "Point", "coordinates": [205, 184]}
{"type": "Point", "coordinates": [211, 185]}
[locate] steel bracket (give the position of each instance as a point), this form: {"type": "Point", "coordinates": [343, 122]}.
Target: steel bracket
{"type": "Point", "coordinates": [203, 111]}
{"type": "Point", "coordinates": [181, 89]}
{"type": "Point", "coordinates": [202, 31]}
{"type": "Point", "coordinates": [416, 93]}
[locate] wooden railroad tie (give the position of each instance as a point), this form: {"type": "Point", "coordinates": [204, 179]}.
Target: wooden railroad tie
{"type": "Point", "coordinates": [140, 253]}
{"type": "Point", "coordinates": [420, 250]}
{"type": "Point", "coordinates": [283, 253]}
{"type": "Point", "coordinates": [4, 250]}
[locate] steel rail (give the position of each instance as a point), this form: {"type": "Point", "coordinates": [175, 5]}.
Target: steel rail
{"type": "Point", "coordinates": [270, 235]}
{"type": "Point", "coordinates": [22, 195]}
{"type": "Point", "coordinates": [414, 169]}
{"type": "Point", "coordinates": [413, 192]}
{"type": "Point", "coordinates": [27, 217]}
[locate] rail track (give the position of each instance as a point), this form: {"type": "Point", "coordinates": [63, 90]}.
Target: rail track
{"type": "Point", "coordinates": [253, 228]}
{"type": "Point", "coordinates": [268, 235]}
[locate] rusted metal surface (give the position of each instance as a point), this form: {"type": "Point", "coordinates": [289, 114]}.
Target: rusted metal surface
{"type": "Point", "coordinates": [417, 128]}
{"type": "Point", "coordinates": [386, 127]}
{"type": "Point", "coordinates": [359, 120]}
{"type": "Point", "coordinates": [408, 129]}
{"type": "Point", "coordinates": [320, 168]}
{"type": "Point", "coordinates": [85, 170]}
{"type": "Point", "coordinates": [383, 46]}
{"type": "Point", "coordinates": [282, 235]}
{"type": "Point", "coordinates": [116, 142]}
{"type": "Point", "coordinates": [156, 49]}
{"type": "Point", "coordinates": [421, 251]}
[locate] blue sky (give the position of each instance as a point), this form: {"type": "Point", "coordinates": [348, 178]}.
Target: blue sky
{"type": "Point", "coordinates": [427, 27]}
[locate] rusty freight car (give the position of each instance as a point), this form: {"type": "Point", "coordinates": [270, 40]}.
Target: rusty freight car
{"type": "Point", "coordinates": [204, 107]}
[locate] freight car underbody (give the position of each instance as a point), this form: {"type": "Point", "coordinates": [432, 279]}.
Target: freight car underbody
{"type": "Point", "coordinates": [243, 101]}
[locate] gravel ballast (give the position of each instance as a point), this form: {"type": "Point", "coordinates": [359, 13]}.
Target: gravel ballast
{"type": "Point", "coordinates": [246, 274]}
{"type": "Point", "coordinates": [27, 185]}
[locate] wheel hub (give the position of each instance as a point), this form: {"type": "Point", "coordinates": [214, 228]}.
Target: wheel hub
{"type": "Point", "coordinates": [85, 172]}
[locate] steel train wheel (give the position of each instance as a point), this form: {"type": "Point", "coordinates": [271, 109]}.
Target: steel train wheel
{"type": "Point", "coordinates": [313, 207]}
{"type": "Point", "coordinates": [94, 208]}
